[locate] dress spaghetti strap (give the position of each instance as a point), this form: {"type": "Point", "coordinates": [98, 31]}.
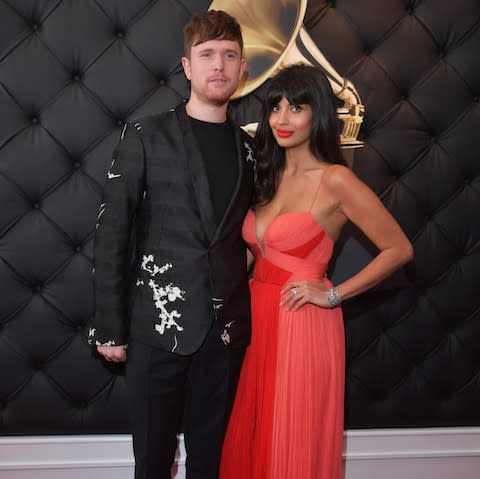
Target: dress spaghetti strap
{"type": "Point", "coordinates": [316, 193]}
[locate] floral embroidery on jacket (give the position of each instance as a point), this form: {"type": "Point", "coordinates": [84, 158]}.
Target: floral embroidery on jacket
{"type": "Point", "coordinates": [92, 340]}
{"type": "Point", "coordinates": [225, 334]}
{"type": "Point", "coordinates": [250, 156]}
{"type": "Point", "coordinates": [162, 295]}
{"type": "Point", "coordinates": [110, 175]}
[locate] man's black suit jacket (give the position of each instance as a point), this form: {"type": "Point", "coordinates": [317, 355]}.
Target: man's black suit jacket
{"type": "Point", "coordinates": [186, 269]}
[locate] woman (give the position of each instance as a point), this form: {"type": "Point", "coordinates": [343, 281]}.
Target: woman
{"type": "Point", "coordinates": [287, 421]}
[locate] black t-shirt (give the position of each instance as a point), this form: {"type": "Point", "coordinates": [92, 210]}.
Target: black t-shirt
{"type": "Point", "coordinates": [217, 144]}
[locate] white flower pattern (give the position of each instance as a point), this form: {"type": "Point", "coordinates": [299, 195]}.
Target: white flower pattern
{"type": "Point", "coordinates": [110, 175]}
{"type": "Point", "coordinates": [250, 157]}
{"type": "Point", "coordinates": [225, 334]}
{"type": "Point", "coordinates": [100, 213]}
{"type": "Point", "coordinates": [217, 303]}
{"type": "Point", "coordinates": [162, 295]}
{"type": "Point", "coordinates": [92, 340]}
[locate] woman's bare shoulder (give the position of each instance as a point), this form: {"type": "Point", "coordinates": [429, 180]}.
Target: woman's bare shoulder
{"type": "Point", "coordinates": [338, 176]}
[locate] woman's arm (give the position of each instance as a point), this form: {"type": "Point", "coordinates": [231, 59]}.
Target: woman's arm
{"type": "Point", "coordinates": [360, 205]}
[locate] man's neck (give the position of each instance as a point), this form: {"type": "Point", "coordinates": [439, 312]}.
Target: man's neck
{"type": "Point", "coordinates": [206, 112]}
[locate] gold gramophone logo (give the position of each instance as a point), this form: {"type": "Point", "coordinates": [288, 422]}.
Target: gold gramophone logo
{"type": "Point", "coordinates": [274, 36]}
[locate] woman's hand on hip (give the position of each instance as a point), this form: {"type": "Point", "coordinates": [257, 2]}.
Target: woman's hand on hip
{"type": "Point", "coordinates": [295, 294]}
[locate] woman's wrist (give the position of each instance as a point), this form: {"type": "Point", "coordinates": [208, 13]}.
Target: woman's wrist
{"type": "Point", "coordinates": [333, 297]}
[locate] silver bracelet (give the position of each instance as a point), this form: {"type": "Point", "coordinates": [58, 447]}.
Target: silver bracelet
{"type": "Point", "coordinates": [333, 297]}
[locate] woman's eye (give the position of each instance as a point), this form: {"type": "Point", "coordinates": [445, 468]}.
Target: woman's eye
{"type": "Point", "coordinates": [296, 108]}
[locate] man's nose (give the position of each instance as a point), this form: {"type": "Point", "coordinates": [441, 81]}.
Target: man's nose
{"type": "Point", "coordinates": [218, 62]}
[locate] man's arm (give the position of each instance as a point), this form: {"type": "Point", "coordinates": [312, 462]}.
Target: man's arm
{"type": "Point", "coordinates": [123, 192]}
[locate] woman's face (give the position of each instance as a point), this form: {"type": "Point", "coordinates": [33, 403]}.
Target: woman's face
{"type": "Point", "coordinates": [291, 124]}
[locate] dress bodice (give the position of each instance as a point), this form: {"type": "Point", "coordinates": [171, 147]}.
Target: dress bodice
{"type": "Point", "coordinates": [294, 242]}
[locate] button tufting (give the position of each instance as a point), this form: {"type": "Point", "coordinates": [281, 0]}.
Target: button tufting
{"type": "Point", "coordinates": [64, 125]}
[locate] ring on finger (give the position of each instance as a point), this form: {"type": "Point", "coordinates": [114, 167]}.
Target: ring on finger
{"type": "Point", "coordinates": [294, 291]}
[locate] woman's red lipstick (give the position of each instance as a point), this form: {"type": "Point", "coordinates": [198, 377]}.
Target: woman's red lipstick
{"type": "Point", "coordinates": [284, 133]}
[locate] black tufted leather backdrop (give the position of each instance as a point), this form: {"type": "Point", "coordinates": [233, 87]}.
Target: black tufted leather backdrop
{"type": "Point", "coordinates": [72, 71]}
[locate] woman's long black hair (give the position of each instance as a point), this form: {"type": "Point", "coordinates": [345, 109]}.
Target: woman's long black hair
{"type": "Point", "coordinates": [299, 84]}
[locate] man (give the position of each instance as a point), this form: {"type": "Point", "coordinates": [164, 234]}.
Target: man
{"type": "Point", "coordinates": [180, 183]}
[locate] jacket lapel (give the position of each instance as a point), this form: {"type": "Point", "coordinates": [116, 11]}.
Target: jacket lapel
{"type": "Point", "coordinates": [198, 173]}
{"type": "Point", "coordinates": [239, 186]}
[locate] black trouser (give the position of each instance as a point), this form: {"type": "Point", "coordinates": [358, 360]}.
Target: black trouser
{"type": "Point", "coordinates": [163, 388]}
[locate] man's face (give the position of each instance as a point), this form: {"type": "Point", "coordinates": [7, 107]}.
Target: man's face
{"type": "Point", "coordinates": [214, 69]}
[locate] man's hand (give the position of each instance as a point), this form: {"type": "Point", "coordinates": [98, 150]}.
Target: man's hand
{"type": "Point", "coordinates": [116, 354]}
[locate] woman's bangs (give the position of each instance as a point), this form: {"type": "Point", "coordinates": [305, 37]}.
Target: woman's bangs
{"type": "Point", "coordinates": [295, 93]}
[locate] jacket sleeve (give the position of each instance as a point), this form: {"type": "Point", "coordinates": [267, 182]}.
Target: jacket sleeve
{"type": "Point", "coordinates": [123, 192]}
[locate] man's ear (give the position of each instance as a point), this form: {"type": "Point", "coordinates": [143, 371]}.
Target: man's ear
{"type": "Point", "coordinates": [243, 66]}
{"type": "Point", "coordinates": [186, 67]}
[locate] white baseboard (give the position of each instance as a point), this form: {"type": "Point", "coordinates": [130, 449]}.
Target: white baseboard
{"type": "Point", "coordinates": [433, 453]}
{"type": "Point", "coordinates": [439, 453]}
